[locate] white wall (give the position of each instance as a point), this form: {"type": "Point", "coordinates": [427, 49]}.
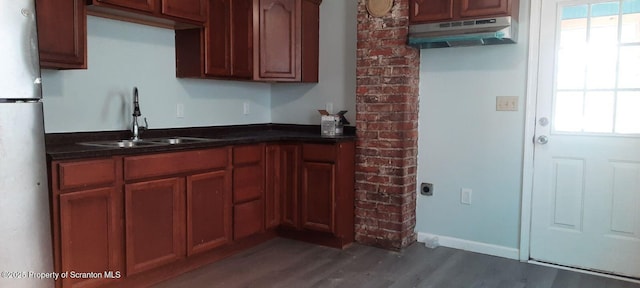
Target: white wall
{"type": "Point", "coordinates": [298, 103]}
{"type": "Point", "coordinates": [122, 55]}
{"type": "Point", "coordinates": [465, 142]}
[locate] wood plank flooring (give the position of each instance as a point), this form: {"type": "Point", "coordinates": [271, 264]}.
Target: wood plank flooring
{"type": "Point", "coordinates": [287, 263]}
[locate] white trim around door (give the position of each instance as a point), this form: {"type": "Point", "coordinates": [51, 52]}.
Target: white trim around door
{"type": "Point", "coordinates": [530, 126]}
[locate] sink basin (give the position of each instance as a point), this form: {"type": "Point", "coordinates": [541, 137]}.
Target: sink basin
{"type": "Point", "coordinates": [146, 142]}
{"type": "Point", "coordinates": [120, 143]}
{"type": "Point", "coordinates": [178, 140]}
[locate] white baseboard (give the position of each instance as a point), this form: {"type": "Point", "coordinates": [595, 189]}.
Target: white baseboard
{"type": "Point", "coordinates": [478, 247]}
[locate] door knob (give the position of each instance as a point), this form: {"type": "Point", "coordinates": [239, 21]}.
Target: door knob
{"type": "Point", "coordinates": [542, 140]}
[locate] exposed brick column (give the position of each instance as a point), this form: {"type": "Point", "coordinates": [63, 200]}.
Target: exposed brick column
{"type": "Point", "coordinates": [387, 123]}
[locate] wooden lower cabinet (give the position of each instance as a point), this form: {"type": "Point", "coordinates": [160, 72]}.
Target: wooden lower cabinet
{"type": "Point", "coordinates": [155, 224]}
{"type": "Point", "coordinates": [289, 184]}
{"type": "Point", "coordinates": [248, 190]}
{"type": "Point", "coordinates": [318, 196]}
{"type": "Point", "coordinates": [90, 234]}
{"type": "Point", "coordinates": [248, 219]}
{"type": "Point", "coordinates": [143, 218]}
{"type": "Point", "coordinates": [273, 188]}
{"type": "Point", "coordinates": [208, 211]}
{"type": "Point", "coordinates": [325, 199]}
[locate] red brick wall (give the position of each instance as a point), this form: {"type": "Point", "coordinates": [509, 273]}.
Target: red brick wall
{"type": "Point", "coordinates": [387, 123]}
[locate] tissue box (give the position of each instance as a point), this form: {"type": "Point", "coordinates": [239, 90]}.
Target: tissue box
{"type": "Point", "coordinates": [332, 124]}
{"type": "Point", "coordinates": [329, 125]}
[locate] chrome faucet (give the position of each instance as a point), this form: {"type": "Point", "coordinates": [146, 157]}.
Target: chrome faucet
{"type": "Point", "coordinates": [135, 127]}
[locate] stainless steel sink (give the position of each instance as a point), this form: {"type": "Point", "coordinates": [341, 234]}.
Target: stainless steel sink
{"type": "Point", "coordinates": [146, 142]}
{"type": "Point", "coordinates": [120, 143]}
{"type": "Point", "coordinates": [178, 140]}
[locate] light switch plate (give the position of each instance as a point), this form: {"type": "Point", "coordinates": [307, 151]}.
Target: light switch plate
{"type": "Point", "coordinates": [180, 110]}
{"type": "Point", "coordinates": [507, 103]}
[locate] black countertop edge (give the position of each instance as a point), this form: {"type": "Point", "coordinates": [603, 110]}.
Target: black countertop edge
{"type": "Point", "coordinates": [63, 146]}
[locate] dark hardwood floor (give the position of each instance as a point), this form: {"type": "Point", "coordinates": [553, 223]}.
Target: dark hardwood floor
{"type": "Point", "coordinates": [287, 263]}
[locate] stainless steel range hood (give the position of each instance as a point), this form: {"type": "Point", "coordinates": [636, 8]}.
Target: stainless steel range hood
{"type": "Point", "coordinates": [485, 31]}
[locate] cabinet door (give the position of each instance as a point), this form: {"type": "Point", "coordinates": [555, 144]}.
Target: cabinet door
{"type": "Point", "coordinates": [187, 9]}
{"type": "Point", "coordinates": [208, 211]}
{"type": "Point", "coordinates": [318, 196]}
{"type": "Point", "coordinates": [279, 40]}
{"type": "Point", "coordinates": [154, 217]}
{"type": "Point", "coordinates": [289, 173]}
{"type": "Point", "coordinates": [242, 38]}
{"type": "Point", "coordinates": [430, 10]}
{"type": "Point", "coordinates": [141, 5]}
{"type": "Point", "coordinates": [218, 40]}
{"type": "Point", "coordinates": [91, 234]}
{"type": "Point", "coordinates": [62, 36]}
{"type": "Point", "coordinates": [474, 8]}
{"type": "Point", "coordinates": [272, 186]}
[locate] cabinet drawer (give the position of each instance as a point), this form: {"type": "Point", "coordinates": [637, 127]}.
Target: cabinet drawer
{"type": "Point", "coordinates": [248, 183]}
{"type": "Point", "coordinates": [319, 152]}
{"type": "Point", "coordinates": [248, 219]}
{"type": "Point", "coordinates": [100, 172]}
{"type": "Point", "coordinates": [248, 154]}
{"type": "Point", "coordinates": [137, 167]}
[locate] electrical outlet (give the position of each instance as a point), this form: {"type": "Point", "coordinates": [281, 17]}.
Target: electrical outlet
{"type": "Point", "coordinates": [180, 110]}
{"type": "Point", "coordinates": [246, 108]}
{"type": "Point", "coordinates": [465, 196]}
{"type": "Point", "coordinates": [507, 103]}
{"type": "Point", "coordinates": [426, 189]}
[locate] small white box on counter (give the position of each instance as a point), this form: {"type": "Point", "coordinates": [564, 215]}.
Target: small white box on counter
{"type": "Point", "coordinates": [332, 124]}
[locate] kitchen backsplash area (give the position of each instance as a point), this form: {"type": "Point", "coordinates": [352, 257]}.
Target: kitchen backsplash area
{"type": "Point", "coordinates": [122, 55]}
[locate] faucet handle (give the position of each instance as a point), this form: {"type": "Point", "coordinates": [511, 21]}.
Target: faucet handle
{"type": "Point", "coordinates": [146, 124]}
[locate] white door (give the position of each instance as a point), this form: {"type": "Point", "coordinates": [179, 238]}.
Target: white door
{"type": "Point", "coordinates": [586, 186]}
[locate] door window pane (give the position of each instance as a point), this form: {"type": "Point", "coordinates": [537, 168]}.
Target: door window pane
{"type": "Point", "coordinates": [572, 55]}
{"type": "Point", "coordinates": [597, 84]}
{"type": "Point", "coordinates": [630, 21]}
{"type": "Point", "coordinates": [629, 71]}
{"type": "Point", "coordinates": [628, 113]}
{"type": "Point", "coordinates": [601, 70]}
{"type": "Point", "coordinates": [598, 112]}
{"type": "Point", "coordinates": [568, 112]}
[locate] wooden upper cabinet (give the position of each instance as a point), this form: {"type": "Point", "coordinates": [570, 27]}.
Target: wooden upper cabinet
{"type": "Point", "coordinates": [172, 14]}
{"type": "Point", "coordinates": [217, 39]}
{"type": "Point", "coordinates": [262, 40]}
{"type": "Point", "coordinates": [140, 5]}
{"type": "Point", "coordinates": [229, 37]}
{"type": "Point", "coordinates": [472, 8]}
{"type": "Point", "coordinates": [62, 36]}
{"type": "Point", "coordinates": [431, 10]}
{"type": "Point", "coordinates": [186, 9]}
{"type": "Point", "coordinates": [288, 45]}
{"type": "Point", "coordinates": [426, 11]}
{"type": "Point", "coordinates": [242, 38]}
{"type": "Point", "coordinates": [278, 39]}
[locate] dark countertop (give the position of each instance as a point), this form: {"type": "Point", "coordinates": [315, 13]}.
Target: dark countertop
{"type": "Point", "coordinates": [64, 146]}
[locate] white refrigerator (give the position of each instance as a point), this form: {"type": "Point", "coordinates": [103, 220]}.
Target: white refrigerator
{"type": "Point", "coordinates": [25, 224]}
